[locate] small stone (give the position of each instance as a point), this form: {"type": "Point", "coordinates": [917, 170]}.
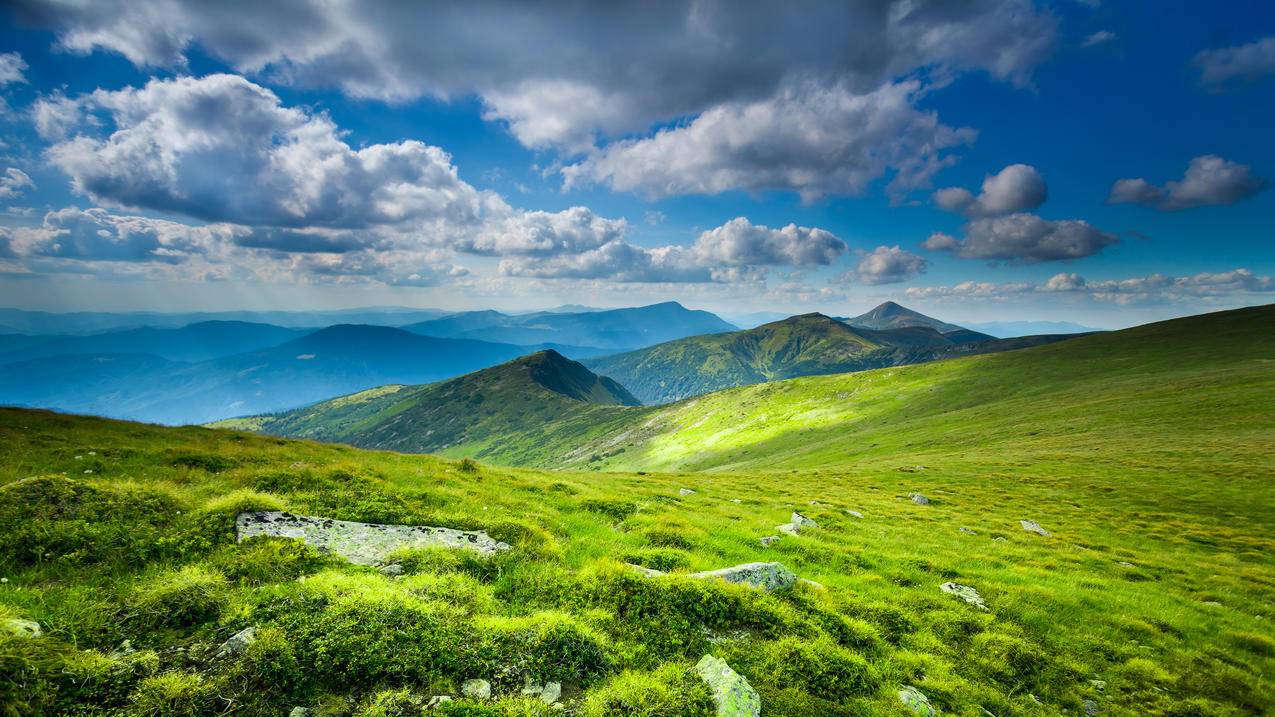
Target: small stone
{"type": "Point", "coordinates": [736, 500]}
{"type": "Point", "coordinates": [476, 689]}
{"type": "Point", "coordinates": [437, 700]}
{"type": "Point", "coordinates": [649, 572]}
{"type": "Point", "coordinates": [1091, 707]}
{"type": "Point", "coordinates": [802, 521]}
{"type": "Point", "coordinates": [767, 540]}
{"type": "Point", "coordinates": [685, 491]}
{"type": "Point", "coordinates": [391, 569]}
{"type": "Point", "coordinates": [22, 628]}
{"type": "Point", "coordinates": [1212, 603]}
{"type": "Point", "coordinates": [855, 514]}
{"type": "Point", "coordinates": [966, 593]}
{"type": "Point", "coordinates": [764, 576]}
{"type": "Point", "coordinates": [1100, 685]}
{"type": "Point", "coordinates": [238, 643]}
{"type": "Point", "coordinates": [300, 712]}
{"type": "Point", "coordinates": [968, 531]}
{"type": "Point", "coordinates": [1126, 564]}
{"type": "Point", "coordinates": [1032, 526]}
{"type": "Point", "coordinates": [919, 499]}
{"type": "Point", "coordinates": [731, 692]}
{"type": "Point", "coordinates": [915, 700]}
{"type": "Point", "coordinates": [787, 529]}
{"type": "Point", "coordinates": [551, 693]}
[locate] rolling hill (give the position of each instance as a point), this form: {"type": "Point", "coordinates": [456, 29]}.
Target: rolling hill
{"type": "Point", "coordinates": [195, 342]}
{"type": "Point", "coordinates": [806, 345]}
{"type": "Point", "coordinates": [613, 329]}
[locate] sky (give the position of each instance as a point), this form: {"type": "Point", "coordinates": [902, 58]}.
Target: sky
{"type": "Point", "coordinates": [1096, 161]}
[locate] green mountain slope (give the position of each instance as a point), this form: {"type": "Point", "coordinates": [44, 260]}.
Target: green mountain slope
{"type": "Point", "coordinates": [471, 411]}
{"type": "Point", "coordinates": [890, 315]}
{"type": "Point", "coordinates": [806, 345]}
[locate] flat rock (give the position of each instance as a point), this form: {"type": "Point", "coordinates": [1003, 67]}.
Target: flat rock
{"type": "Point", "coordinates": [765, 576]}
{"type": "Point", "coordinates": [732, 694]}
{"type": "Point", "coordinates": [788, 529]}
{"type": "Point", "coordinates": [855, 513]}
{"type": "Point", "coordinates": [915, 700]}
{"type": "Point", "coordinates": [767, 540]}
{"type": "Point", "coordinates": [919, 499]}
{"type": "Point", "coordinates": [685, 491]}
{"type": "Point", "coordinates": [21, 628]}
{"type": "Point", "coordinates": [476, 689]}
{"type": "Point", "coordinates": [968, 531]}
{"type": "Point", "coordinates": [966, 593]}
{"type": "Point", "coordinates": [802, 521]}
{"type": "Point", "coordinates": [1032, 526]}
{"type": "Point", "coordinates": [238, 643]}
{"type": "Point", "coordinates": [360, 543]}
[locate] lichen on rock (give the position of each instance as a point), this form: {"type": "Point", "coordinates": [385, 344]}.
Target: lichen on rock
{"type": "Point", "coordinates": [360, 543]}
{"type": "Point", "coordinates": [731, 693]}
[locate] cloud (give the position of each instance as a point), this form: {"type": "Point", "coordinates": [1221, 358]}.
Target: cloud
{"type": "Point", "coordinates": [1016, 188]}
{"type": "Point", "coordinates": [1098, 38]}
{"type": "Point", "coordinates": [1242, 63]}
{"type": "Point", "coordinates": [1023, 239]}
{"type": "Point", "coordinates": [12, 68]}
{"type": "Point", "coordinates": [739, 242]}
{"type": "Point", "coordinates": [541, 233]}
{"type": "Point", "coordinates": [808, 138]}
{"type": "Point", "coordinates": [1209, 180]}
{"type": "Point", "coordinates": [1209, 287]}
{"type": "Point", "coordinates": [886, 265]}
{"type": "Point", "coordinates": [14, 183]}
{"type": "Point", "coordinates": [97, 235]}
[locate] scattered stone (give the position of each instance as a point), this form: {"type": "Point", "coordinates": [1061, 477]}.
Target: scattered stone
{"type": "Point", "coordinates": [391, 569]}
{"type": "Point", "coordinates": [855, 513]}
{"type": "Point", "coordinates": [766, 540]}
{"type": "Point", "coordinates": [476, 689]}
{"type": "Point", "coordinates": [1000, 539]}
{"type": "Point", "coordinates": [1126, 564]}
{"type": "Point", "coordinates": [1091, 707]}
{"type": "Point", "coordinates": [736, 500]}
{"type": "Point", "coordinates": [919, 499]}
{"type": "Point", "coordinates": [800, 521]}
{"type": "Point", "coordinates": [915, 700]}
{"type": "Point", "coordinates": [300, 712]}
{"type": "Point", "coordinates": [238, 643]}
{"type": "Point", "coordinates": [551, 693]}
{"type": "Point", "coordinates": [437, 700]}
{"type": "Point", "coordinates": [649, 572]}
{"type": "Point", "coordinates": [765, 576]}
{"type": "Point", "coordinates": [966, 593]}
{"type": "Point", "coordinates": [787, 529]}
{"type": "Point", "coordinates": [1032, 526]}
{"type": "Point", "coordinates": [22, 628]}
{"type": "Point", "coordinates": [1100, 685]}
{"type": "Point", "coordinates": [360, 543]}
{"type": "Point", "coordinates": [911, 469]}
{"type": "Point", "coordinates": [685, 491]}
{"type": "Point", "coordinates": [1212, 603]}
{"type": "Point", "coordinates": [968, 531]}
{"type": "Point", "coordinates": [732, 694]}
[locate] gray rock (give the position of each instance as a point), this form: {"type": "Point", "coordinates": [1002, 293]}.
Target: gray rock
{"type": "Point", "coordinates": [968, 531]}
{"type": "Point", "coordinates": [300, 712]}
{"type": "Point", "coordinates": [766, 540]}
{"type": "Point", "coordinates": [1126, 564]}
{"type": "Point", "coordinates": [685, 491]}
{"type": "Point", "coordinates": [238, 643]}
{"type": "Point", "coordinates": [765, 576]}
{"type": "Point", "coordinates": [966, 593]}
{"type": "Point", "coordinates": [732, 694]}
{"type": "Point", "coordinates": [437, 700]}
{"type": "Point", "coordinates": [1032, 526]}
{"type": "Point", "coordinates": [855, 513]}
{"type": "Point", "coordinates": [919, 499]}
{"type": "Point", "coordinates": [476, 689]}
{"type": "Point", "coordinates": [649, 572]}
{"type": "Point", "coordinates": [788, 529]}
{"type": "Point", "coordinates": [551, 693]}
{"type": "Point", "coordinates": [802, 521]}
{"type": "Point", "coordinates": [915, 700]}
{"type": "Point", "coordinates": [1091, 707]}
{"type": "Point", "coordinates": [391, 569]}
{"type": "Point", "coordinates": [360, 543]}
{"type": "Point", "coordinates": [22, 628]}
{"type": "Point", "coordinates": [1100, 685]}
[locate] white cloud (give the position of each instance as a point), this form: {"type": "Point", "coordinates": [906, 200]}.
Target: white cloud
{"type": "Point", "coordinates": [886, 265]}
{"type": "Point", "coordinates": [97, 235]}
{"type": "Point", "coordinates": [1207, 287]}
{"type": "Point", "coordinates": [1016, 188]}
{"type": "Point", "coordinates": [1098, 38]}
{"type": "Point", "coordinates": [14, 183]}
{"type": "Point", "coordinates": [1023, 239]}
{"type": "Point", "coordinates": [808, 138]}
{"type": "Point", "coordinates": [12, 68]}
{"type": "Point", "coordinates": [572, 230]}
{"type": "Point", "coordinates": [1242, 63]}
{"type": "Point", "coordinates": [1208, 180]}
{"type": "Point", "coordinates": [739, 242]}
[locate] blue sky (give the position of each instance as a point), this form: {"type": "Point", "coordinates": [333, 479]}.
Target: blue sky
{"type": "Point", "coordinates": [731, 156]}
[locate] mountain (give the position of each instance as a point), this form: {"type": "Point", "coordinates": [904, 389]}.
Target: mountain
{"type": "Point", "coordinates": [1010, 329]}
{"type": "Point", "coordinates": [806, 345]}
{"type": "Point", "coordinates": [526, 393]}
{"type": "Point", "coordinates": [330, 362]}
{"type": "Point", "coordinates": [196, 342]}
{"type": "Point", "coordinates": [892, 316]}
{"type": "Point", "coordinates": [612, 329]}
{"type": "Point", "coordinates": [753, 319]}
{"type": "Point", "coordinates": [89, 322]}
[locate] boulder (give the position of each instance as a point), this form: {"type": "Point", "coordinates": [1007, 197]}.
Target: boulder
{"type": "Point", "coordinates": [919, 499]}
{"type": "Point", "coordinates": [360, 543]}
{"type": "Point", "coordinates": [765, 576]}
{"type": "Point", "coordinates": [1032, 526]}
{"type": "Point", "coordinates": [802, 521]}
{"type": "Point", "coordinates": [22, 628]}
{"type": "Point", "coordinates": [767, 540]}
{"type": "Point", "coordinates": [476, 689]}
{"type": "Point", "coordinates": [238, 643]}
{"type": "Point", "coordinates": [788, 529]}
{"type": "Point", "coordinates": [915, 700]}
{"type": "Point", "coordinates": [685, 491]}
{"type": "Point", "coordinates": [855, 513]}
{"type": "Point", "coordinates": [966, 593]}
{"type": "Point", "coordinates": [1099, 685]}
{"type": "Point", "coordinates": [732, 694]}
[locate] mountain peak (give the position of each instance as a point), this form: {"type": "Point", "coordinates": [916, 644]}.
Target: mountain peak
{"type": "Point", "coordinates": [889, 315]}
{"type": "Point", "coordinates": [555, 372]}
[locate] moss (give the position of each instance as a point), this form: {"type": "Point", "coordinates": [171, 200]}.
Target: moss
{"type": "Point", "coordinates": [1011, 661]}
{"type": "Point", "coordinates": [553, 646]}
{"type": "Point", "coordinates": [819, 668]}
{"type": "Point", "coordinates": [673, 690]}
{"type": "Point", "coordinates": [104, 681]}
{"type": "Point", "coordinates": [266, 677]}
{"type": "Point", "coordinates": [179, 598]}
{"type": "Point", "coordinates": [669, 537]}
{"type": "Point", "coordinates": [172, 694]}
{"type": "Point", "coordinates": [1258, 644]}
{"type": "Point", "coordinates": [616, 510]}
{"type": "Point", "coordinates": [213, 524]}
{"type": "Point", "coordinates": [663, 559]}
{"type": "Point", "coordinates": [262, 560]}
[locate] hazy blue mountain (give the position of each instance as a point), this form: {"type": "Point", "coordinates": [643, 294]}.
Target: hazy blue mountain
{"type": "Point", "coordinates": [753, 319]}
{"type": "Point", "coordinates": [196, 342]}
{"type": "Point", "coordinates": [1010, 329]}
{"type": "Point", "coordinates": [89, 322]}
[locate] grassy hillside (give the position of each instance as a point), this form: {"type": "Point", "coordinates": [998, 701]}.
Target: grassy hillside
{"type": "Point", "coordinates": [806, 345]}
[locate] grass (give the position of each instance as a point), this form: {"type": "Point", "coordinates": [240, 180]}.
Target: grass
{"type": "Point", "coordinates": [1148, 461]}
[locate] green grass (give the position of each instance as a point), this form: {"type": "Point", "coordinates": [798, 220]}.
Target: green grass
{"type": "Point", "coordinates": [1150, 447]}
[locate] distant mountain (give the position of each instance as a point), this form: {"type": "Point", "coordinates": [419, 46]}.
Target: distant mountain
{"type": "Point", "coordinates": [806, 345]}
{"type": "Point", "coordinates": [892, 316]}
{"type": "Point", "coordinates": [1010, 329]}
{"type": "Point", "coordinates": [90, 322]}
{"type": "Point", "coordinates": [612, 329]}
{"type": "Point", "coordinates": [330, 362]}
{"type": "Point", "coordinates": [523, 395]}
{"type": "Point", "coordinates": [753, 319]}
{"type": "Point", "coordinates": [196, 342]}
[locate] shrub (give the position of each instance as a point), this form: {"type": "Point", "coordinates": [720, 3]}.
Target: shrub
{"type": "Point", "coordinates": [172, 694]}
{"type": "Point", "coordinates": [1011, 661]}
{"type": "Point", "coordinates": [449, 560]}
{"type": "Point", "coordinates": [668, 538]}
{"type": "Point", "coordinates": [663, 559]}
{"type": "Point", "coordinates": [674, 690]}
{"type": "Point", "coordinates": [819, 668]}
{"type": "Point", "coordinates": [264, 559]}
{"type": "Point", "coordinates": [616, 510]}
{"type": "Point", "coordinates": [183, 598]}
{"type": "Point", "coordinates": [467, 465]}
{"type": "Point", "coordinates": [552, 645]}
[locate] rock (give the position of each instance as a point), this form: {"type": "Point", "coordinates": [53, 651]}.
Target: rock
{"type": "Point", "coordinates": [360, 543]}
{"type": "Point", "coordinates": [919, 499]}
{"type": "Point", "coordinates": [812, 584]}
{"type": "Point", "coordinates": [1032, 526]}
{"type": "Point", "coordinates": [551, 693]}
{"type": "Point", "coordinates": [765, 576]}
{"type": "Point", "coordinates": [649, 572]}
{"type": "Point", "coordinates": [22, 628]}
{"type": "Point", "coordinates": [915, 700]}
{"type": "Point", "coordinates": [855, 513]}
{"type": "Point", "coordinates": [124, 650]}
{"type": "Point", "coordinates": [1126, 564]}
{"type": "Point", "coordinates": [732, 694]}
{"type": "Point", "coordinates": [685, 491]}
{"type": "Point", "coordinates": [1091, 707]}
{"type": "Point", "coordinates": [1099, 685]}
{"type": "Point", "coordinates": [391, 569]}
{"type": "Point", "coordinates": [238, 643]}
{"type": "Point", "coordinates": [801, 521]}
{"type": "Point", "coordinates": [1000, 539]}
{"type": "Point", "coordinates": [736, 500]}
{"type": "Point", "coordinates": [968, 531]}
{"type": "Point", "coordinates": [766, 540]}
{"type": "Point", "coordinates": [437, 700]}
{"type": "Point", "coordinates": [300, 712]}
{"type": "Point", "coordinates": [787, 529]}
{"type": "Point", "coordinates": [476, 689]}
{"type": "Point", "coordinates": [966, 593]}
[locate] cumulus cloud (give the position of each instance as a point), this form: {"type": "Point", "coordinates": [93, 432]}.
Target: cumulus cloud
{"type": "Point", "coordinates": [1098, 38]}
{"type": "Point", "coordinates": [1154, 288]}
{"type": "Point", "coordinates": [1016, 188]}
{"type": "Point", "coordinates": [886, 265]}
{"type": "Point", "coordinates": [572, 230]}
{"type": "Point", "coordinates": [1208, 180]}
{"type": "Point", "coordinates": [739, 242]}
{"type": "Point", "coordinates": [1023, 239]}
{"type": "Point", "coordinates": [14, 183]}
{"type": "Point", "coordinates": [1242, 63]}
{"type": "Point", "coordinates": [97, 235]}
{"type": "Point", "coordinates": [12, 68]}
{"type": "Point", "coordinates": [808, 138]}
